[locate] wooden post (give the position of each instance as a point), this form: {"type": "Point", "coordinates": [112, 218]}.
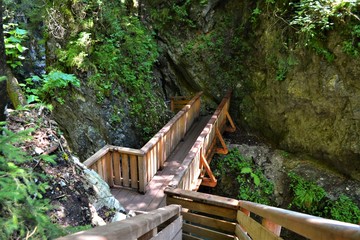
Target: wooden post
{"type": "Point", "coordinates": [133, 171]}
{"type": "Point", "coordinates": [273, 227]}
{"type": "Point", "coordinates": [125, 169]}
{"type": "Point", "coordinates": [109, 169]}
{"type": "Point", "coordinates": [117, 168]}
{"type": "Point", "coordinates": [142, 173]}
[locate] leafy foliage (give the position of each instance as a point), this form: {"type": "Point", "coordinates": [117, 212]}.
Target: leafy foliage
{"type": "Point", "coordinates": [22, 207]}
{"type": "Point", "coordinates": [251, 182]}
{"type": "Point", "coordinates": [116, 53]}
{"type": "Point", "coordinates": [50, 86]}
{"type": "Point", "coordinates": [14, 38]}
{"type": "Point", "coordinates": [343, 209]}
{"type": "Point", "coordinates": [312, 199]}
{"type": "Point", "coordinates": [307, 195]}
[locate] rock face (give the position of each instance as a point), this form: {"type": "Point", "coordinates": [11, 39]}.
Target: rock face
{"type": "Point", "coordinates": [88, 126]}
{"type": "Point", "coordinates": [292, 96]}
{"type": "Point", "coordinates": [276, 165]}
{"type": "Point", "coordinates": [314, 110]}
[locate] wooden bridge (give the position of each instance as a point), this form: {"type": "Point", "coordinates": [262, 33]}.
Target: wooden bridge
{"type": "Point", "coordinates": [161, 179]}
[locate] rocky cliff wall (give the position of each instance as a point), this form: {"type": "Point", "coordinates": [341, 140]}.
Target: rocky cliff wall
{"type": "Point", "coordinates": [296, 98]}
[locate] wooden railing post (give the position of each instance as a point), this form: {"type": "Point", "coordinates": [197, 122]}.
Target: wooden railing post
{"type": "Point", "coordinates": [142, 173]}
{"type": "Point", "coordinates": [272, 227]}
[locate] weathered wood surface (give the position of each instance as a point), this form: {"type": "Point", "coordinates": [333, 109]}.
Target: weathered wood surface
{"type": "Point", "coordinates": [132, 228]}
{"type": "Point", "coordinates": [305, 225]}
{"type": "Point", "coordinates": [154, 196]}
{"type": "Point", "coordinates": [188, 177]}
{"type": "Point", "coordinates": [273, 219]}
{"type": "Point", "coordinates": [127, 167]}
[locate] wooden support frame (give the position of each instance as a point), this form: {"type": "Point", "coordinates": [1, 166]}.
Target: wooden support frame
{"type": "Point", "coordinates": [224, 150]}
{"type": "Point", "coordinates": [211, 181]}
{"type": "Point", "coordinates": [232, 127]}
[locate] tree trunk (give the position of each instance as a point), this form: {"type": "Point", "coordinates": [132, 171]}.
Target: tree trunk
{"type": "Point", "coordinates": [3, 93]}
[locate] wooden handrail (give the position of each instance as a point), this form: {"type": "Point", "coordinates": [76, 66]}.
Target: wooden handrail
{"type": "Point", "coordinates": [187, 178]}
{"type": "Point", "coordinates": [128, 167]}
{"type": "Point", "coordinates": [273, 219]}
{"type": "Point", "coordinates": [144, 226]}
{"type": "Point", "coordinates": [309, 226]}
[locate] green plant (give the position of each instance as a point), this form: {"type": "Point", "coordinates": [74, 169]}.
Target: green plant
{"type": "Point", "coordinates": [284, 65]}
{"type": "Point", "coordinates": [255, 15]}
{"type": "Point", "coordinates": [23, 209]}
{"type": "Point", "coordinates": [251, 183]}
{"type": "Point", "coordinates": [308, 196]}
{"type": "Point", "coordinates": [343, 209]}
{"type": "Point", "coordinates": [14, 48]}
{"type": "Point", "coordinates": [352, 46]}
{"type": "Point", "coordinates": [51, 86]}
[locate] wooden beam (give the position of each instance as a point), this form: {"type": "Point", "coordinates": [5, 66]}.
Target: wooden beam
{"type": "Point", "coordinates": [211, 181]}
{"type": "Point", "coordinates": [240, 233]}
{"type": "Point", "coordinates": [131, 228]}
{"type": "Point", "coordinates": [206, 233]}
{"type": "Point", "coordinates": [218, 224]}
{"type": "Point", "coordinates": [306, 225]}
{"type": "Point", "coordinates": [224, 149]}
{"type": "Point", "coordinates": [232, 127]}
{"type": "Point", "coordinates": [204, 208]}
{"type": "Point", "coordinates": [204, 198]}
{"type": "Point", "coordinates": [97, 156]}
{"type": "Point", "coordinates": [117, 168]}
{"type": "Point", "coordinates": [273, 227]}
{"type": "Point", "coordinates": [255, 229]}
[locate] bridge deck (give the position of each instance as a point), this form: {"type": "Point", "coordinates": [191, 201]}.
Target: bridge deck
{"type": "Point", "coordinates": [154, 197]}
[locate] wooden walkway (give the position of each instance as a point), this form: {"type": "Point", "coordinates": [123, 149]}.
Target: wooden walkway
{"type": "Point", "coordinates": [154, 198]}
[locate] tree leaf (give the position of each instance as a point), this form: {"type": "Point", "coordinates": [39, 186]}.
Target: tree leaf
{"type": "Point", "coordinates": [246, 170]}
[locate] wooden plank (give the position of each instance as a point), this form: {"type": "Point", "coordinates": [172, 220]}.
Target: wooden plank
{"type": "Point", "coordinates": [178, 236]}
{"type": "Point", "coordinates": [131, 228]}
{"type": "Point", "coordinates": [97, 156]}
{"type": "Point", "coordinates": [255, 229]}
{"type": "Point", "coordinates": [129, 151]}
{"type": "Point", "coordinates": [125, 169]}
{"type": "Point", "coordinates": [109, 169]}
{"type": "Point", "coordinates": [186, 236]}
{"type": "Point", "coordinates": [100, 169]}
{"type": "Point", "coordinates": [134, 171]}
{"type": "Point", "coordinates": [170, 231]}
{"type": "Point", "coordinates": [142, 174]}
{"type": "Point", "coordinates": [241, 234]}
{"type": "Point", "coordinates": [212, 181]}
{"type": "Point", "coordinates": [204, 208]}
{"type": "Point", "coordinates": [117, 168]}
{"type": "Point", "coordinates": [219, 225]}
{"type": "Point", "coordinates": [204, 198]}
{"type": "Point", "coordinates": [232, 127]}
{"type": "Point", "coordinates": [273, 227]}
{"type": "Point", "coordinates": [306, 225]}
{"type": "Point", "coordinates": [206, 233]}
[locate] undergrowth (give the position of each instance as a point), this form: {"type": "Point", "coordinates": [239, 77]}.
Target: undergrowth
{"type": "Point", "coordinates": [251, 183]}
{"type": "Point", "coordinates": [310, 198]}
{"type": "Point", "coordinates": [22, 206]}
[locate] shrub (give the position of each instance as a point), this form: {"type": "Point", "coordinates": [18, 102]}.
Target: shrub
{"type": "Point", "coordinates": [251, 182]}
{"type": "Point", "coordinates": [22, 207]}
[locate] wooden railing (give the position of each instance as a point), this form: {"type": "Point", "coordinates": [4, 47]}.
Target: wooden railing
{"type": "Point", "coordinates": [134, 168]}
{"type": "Point", "coordinates": [178, 102]}
{"type": "Point", "coordinates": [196, 163]}
{"type": "Point", "coordinates": [213, 217]}
{"type": "Point", "coordinates": [160, 224]}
